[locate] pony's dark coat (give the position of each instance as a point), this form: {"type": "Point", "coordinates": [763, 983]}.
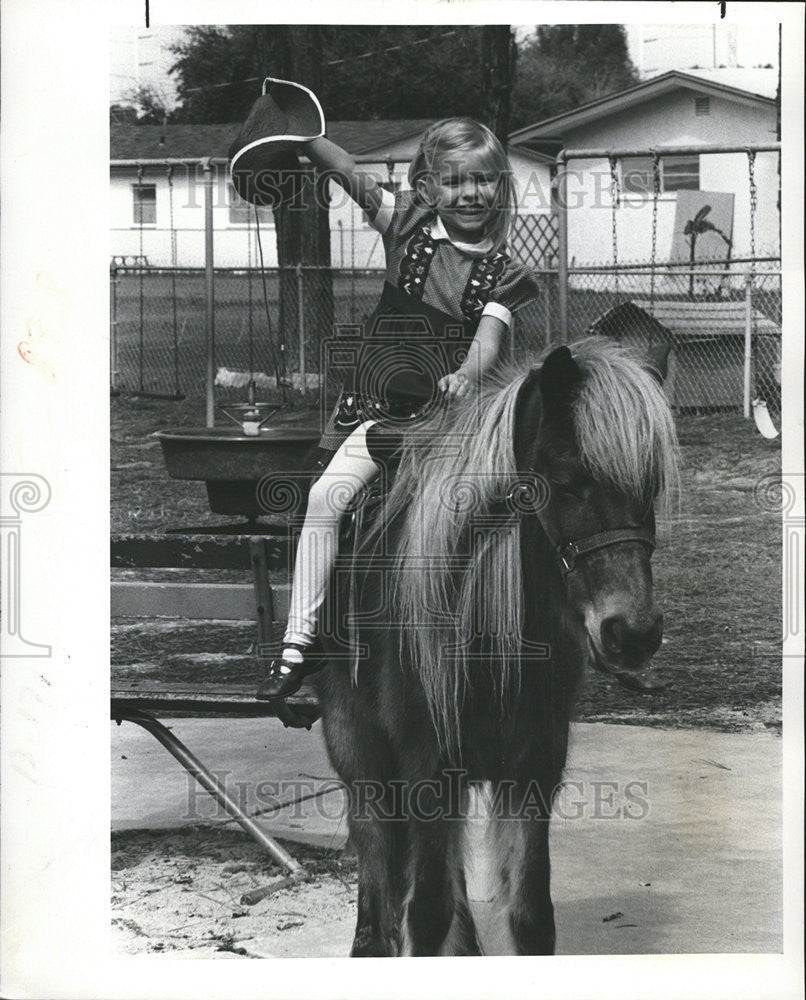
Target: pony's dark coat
{"type": "Point", "coordinates": [473, 639]}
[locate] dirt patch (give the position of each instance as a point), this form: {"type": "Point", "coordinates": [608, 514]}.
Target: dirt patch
{"type": "Point", "coordinates": [182, 891]}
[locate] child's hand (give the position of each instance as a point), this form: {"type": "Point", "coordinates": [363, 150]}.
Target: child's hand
{"type": "Point", "coordinates": [456, 384]}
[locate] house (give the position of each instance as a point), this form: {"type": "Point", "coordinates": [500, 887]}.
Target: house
{"type": "Point", "coordinates": [164, 222]}
{"type": "Point", "coordinates": [672, 109]}
{"type": "Point", "coordinates": [158, 214]}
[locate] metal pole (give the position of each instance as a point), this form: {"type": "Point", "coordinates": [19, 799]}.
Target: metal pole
{"type": "Point", "coordinates": [603, 153]}
{"type": "Point", "coordinates": [209, 279]}
{"type": "Point", "coordinates": [748, 340]}
{"type": "Point", "coordinates": [301, 326]}
{"type": "Point", "coordinates": [222, 161]}
{"type": "Point", "coordinates": [211, 784]}
{"type": "Point", "coordinates": [113, 330]}
{"type": "Point", "coordinates": [561, 208]}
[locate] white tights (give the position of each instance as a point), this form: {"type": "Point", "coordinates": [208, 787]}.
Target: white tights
{"type": "Point", "coordinates": [349, 471]}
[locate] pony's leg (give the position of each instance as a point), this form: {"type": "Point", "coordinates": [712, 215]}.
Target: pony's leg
{"type": "Point", "coordinates": [531, 912]}
{"type": "Point", "coordinates": [361, 755]}
{"type": "Point", "coordinates": [377, 928]}
{"type": "Point", "coordinates": [438, 918]}
{"type": "Point", "coordinates": [462, 937]}
{"type": "Point", "coordinates": [430, 905]}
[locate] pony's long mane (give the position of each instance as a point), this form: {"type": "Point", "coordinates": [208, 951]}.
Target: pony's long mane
{"type": "Point", "coordinates": [623, 425]}
{"type": "Point", "coordinates": [458, 561]}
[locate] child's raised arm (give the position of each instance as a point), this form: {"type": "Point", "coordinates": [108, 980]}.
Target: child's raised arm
{"type": "Point", "coordinates": [337, 162]}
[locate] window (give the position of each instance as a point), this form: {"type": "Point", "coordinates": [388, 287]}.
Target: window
{"type": "Point", "coordinates": [636, 175]}
{"type": "Point", "coordinates": [680, 173]}
{"type": "Point", "coordinates": [144, 204]}
{"type": "Point", "coordinates": [242, 213]}
{"type": "Point", "coordinates": [676, 173]}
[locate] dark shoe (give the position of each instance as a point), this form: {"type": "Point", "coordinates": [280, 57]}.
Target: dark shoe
{"type": "Point", "coordinates": [284, 678]}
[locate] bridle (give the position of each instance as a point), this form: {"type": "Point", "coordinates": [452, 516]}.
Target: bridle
{"type": "Point", "coordinates": [569, 552]}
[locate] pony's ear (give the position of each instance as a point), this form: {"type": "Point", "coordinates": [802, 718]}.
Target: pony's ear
{"type": "Point", "coordinates": [658, 361]}
{"type": "Point", "coordinates": [559, 377]}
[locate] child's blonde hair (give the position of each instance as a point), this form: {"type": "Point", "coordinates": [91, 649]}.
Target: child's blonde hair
{"type": "Point", "coordinates": [453, 138]}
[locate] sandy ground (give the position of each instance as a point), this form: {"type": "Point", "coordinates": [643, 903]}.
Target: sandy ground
{"type": "Point", "coordinates": [181, 891]}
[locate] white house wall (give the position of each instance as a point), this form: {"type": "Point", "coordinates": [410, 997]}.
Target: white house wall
{"type": "Point", "coordinates": [354, 244]}
{"type": "Point", "coordinates": [232, 244]}
{"type": "Point", "coordinates": [671, 121]}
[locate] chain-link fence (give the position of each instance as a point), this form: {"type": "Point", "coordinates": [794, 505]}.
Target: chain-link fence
{"type": "Point", "coordinates": [267, 323]}
{"type": "Point", "coordinates": [722, 326]}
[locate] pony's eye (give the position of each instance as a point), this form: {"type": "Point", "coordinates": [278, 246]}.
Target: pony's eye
{"type": "Point", "coordinates": [566, 490]}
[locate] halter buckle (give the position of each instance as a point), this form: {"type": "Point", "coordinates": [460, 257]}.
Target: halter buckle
{"type": "Point", "coordinates": [568, 557]}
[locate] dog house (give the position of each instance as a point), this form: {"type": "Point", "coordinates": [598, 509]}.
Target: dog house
{"type": "Point", "coordinates": [707, 360]}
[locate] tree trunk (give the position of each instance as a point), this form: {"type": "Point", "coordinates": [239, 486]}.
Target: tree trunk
{"type": "Point", "coordinates": [498, 64]}
{"type": "Point", "coordinates": [293, 52]}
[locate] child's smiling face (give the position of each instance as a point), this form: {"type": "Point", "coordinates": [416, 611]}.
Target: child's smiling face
{"type": "Point", "coordinates": [463, 189]}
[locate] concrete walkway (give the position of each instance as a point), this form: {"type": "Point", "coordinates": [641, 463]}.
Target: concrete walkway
{"type": "Point", "coordinates": [665, 841]}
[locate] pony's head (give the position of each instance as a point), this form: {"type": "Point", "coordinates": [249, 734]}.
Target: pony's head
{"type": "Point", "coordinates": [593, 425]}
{"type": "Point", "coordinates": [526, 512]}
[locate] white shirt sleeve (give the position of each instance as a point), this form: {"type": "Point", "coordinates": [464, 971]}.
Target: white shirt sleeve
{"type": "Point", "coordinates": [383, 217]}
{"type": "Point", "coordinates": [498, 311]}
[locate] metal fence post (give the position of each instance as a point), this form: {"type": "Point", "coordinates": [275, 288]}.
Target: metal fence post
{"type": "Point", "coordinates": [748, 340]}
{"type": "Point", "coordinates": [113, 329]}
{"type": "Point", "coordinates": [301, 326]}
{"type": "Point", "coordinates": [209, 298]}
{"type": "Point", "coordinates": [561, 207]}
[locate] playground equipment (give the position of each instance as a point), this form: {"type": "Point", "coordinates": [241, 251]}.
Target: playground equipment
{"type": "Point", "coordinates": [231, 460]}
{"type": "Point", "coordinates": [726, 348]}
{"type": "Point", "coordinates": [142, 700]}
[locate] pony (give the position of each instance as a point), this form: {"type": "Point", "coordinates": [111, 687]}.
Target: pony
{"type": "Point", "coordinates": [511, 550]}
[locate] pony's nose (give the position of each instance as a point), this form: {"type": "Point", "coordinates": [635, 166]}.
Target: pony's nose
{"type": "Point", "coordinates": [618, 636]}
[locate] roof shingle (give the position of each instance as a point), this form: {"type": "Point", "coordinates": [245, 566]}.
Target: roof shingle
{"type": "Point", "coordinates": [154, 142]}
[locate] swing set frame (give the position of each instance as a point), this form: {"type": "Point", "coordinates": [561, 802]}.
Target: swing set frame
{"type": "Point", "coordinates": [210, 167]}
{"type": "Point", "coordinates": [657, 153]}
{"type": "Point", "coordinates": [612, 155]}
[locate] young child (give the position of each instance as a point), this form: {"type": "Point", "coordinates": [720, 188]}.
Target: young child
{"type": "Point", "coordinates": [448, 273]}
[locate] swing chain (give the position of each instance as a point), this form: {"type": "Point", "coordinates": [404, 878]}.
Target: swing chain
{"type": "Point", "coordinates": [751, 168]}
{"type": "Point", "coordinates": [249, 277]}
{"type": "Point", "coordinates": [169, 174]}
{"type": "Point", "coordinates": [655, 196]}
{"type": "Point", "coordinates": [615, 201]}
{"type": "Point", "coordinates": [140, 172]}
